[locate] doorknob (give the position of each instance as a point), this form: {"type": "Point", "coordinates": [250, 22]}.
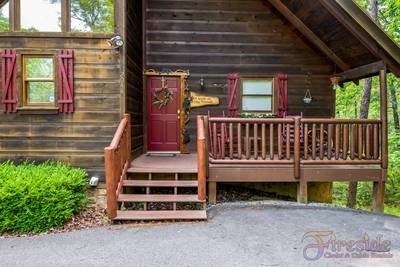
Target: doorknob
{"type": "Point", "coordinates": [179, 111]}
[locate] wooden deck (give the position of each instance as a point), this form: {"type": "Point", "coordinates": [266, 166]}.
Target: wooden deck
{"type": "Point", "coordinates": [179, 163]}
{"type": "Point", "coordinates": [285, 173]}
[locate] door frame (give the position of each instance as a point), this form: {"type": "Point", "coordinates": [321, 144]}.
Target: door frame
{"type": "Point", "coordinates": [184, 93]}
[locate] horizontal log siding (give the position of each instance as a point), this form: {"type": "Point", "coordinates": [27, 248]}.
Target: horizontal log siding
{"type": "Point", "coordinates": [134, 70]}
{"type": "Point", "coordinates": [77, 138]}
{"type": "Point", "coordinates": [211, 38]}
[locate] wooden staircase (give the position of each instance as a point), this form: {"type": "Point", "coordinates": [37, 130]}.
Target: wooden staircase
{"type": "Point", "coordinates": [142, 192]}
{"type": "Point", "coordinates": [154, 187]}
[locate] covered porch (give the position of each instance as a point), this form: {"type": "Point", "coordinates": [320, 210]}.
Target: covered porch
{"type": "Point", "coordinates": [215, 44]}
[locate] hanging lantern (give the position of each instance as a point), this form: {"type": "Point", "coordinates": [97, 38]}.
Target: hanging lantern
{"type": "Point", "coordinates": [307, 99]}
{"type": "Point", "coordinates": [335, 82]}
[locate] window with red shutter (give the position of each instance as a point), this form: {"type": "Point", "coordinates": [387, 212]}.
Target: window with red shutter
{"type": "Point", "coordinates": [65, 66]}
{"type": "Point", "coordinates": [9, 80]}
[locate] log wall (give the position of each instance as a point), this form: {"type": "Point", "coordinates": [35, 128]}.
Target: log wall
{"type": "Point", "coordinates": [77, 138]}
{"type": "Point", "coordinates": [211, 38]}
{"type": "Point", "coordinates": [134, 71]}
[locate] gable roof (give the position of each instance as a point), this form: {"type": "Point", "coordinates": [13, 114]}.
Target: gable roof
{"type": "Point", "coordinates": [348, 36]}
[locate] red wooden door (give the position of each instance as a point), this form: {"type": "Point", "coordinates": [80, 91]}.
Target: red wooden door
{"type": "Point", "coordinates": [163, 123]}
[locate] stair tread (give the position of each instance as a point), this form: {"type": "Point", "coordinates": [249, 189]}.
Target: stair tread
{"type": "Point", "coordinates": [161, 215]}
{"type": "Point", "coordinates": [157, 198]}
{"type": "Point", "coordinates": [158, 183]}
{"type": "Point", "coordinates": [161, 170]}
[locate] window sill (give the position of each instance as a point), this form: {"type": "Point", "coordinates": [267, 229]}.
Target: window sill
{"type": "Point", "coordinates": [78, 35]}
{"type": "Point", "coordinates": [38, 110]}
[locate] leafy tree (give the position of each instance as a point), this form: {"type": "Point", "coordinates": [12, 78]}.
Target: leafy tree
{"type": "Point", "coordinates": [4, 21]}
{"type": "Point", "coordinates": [95, 15]}
{"type": "Point", "coordinates": [347, 106]}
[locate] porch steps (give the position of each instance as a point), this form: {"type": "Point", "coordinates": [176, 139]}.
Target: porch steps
{"type": "Point", "coordinates": [162, 215]}
{"type": "Point", "coordinates": [158, 183]}
{"type": "Point", "coordinates": [157, 198]}
{"type": "Point", "coordinates": [161, 188]}
{"type": "Point", "coordinates": [161, 169]}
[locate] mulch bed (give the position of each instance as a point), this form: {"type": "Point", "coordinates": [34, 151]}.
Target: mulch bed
{"type": "Point", "coordinates": [88, 218]}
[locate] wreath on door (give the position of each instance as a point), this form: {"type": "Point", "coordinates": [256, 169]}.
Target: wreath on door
{"type": "Point", "coordinates": [163, 96]}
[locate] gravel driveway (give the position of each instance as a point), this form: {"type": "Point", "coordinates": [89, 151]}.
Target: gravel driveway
{"type": "Point", "coordinates": [239, 234]}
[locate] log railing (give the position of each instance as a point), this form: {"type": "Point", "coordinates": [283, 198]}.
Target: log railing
{"type": "Point", "coordinates": [117, 158]}
{"type": "Point", "coordinates": [243, 140]}
{"type": "Point", "coordinates": [293, 141]}
{"type": "Point", "coordinates": [341, 141]}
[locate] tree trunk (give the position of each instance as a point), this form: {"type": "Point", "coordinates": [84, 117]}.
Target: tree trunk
{"type": "Point", "coordinates": [364, 108]}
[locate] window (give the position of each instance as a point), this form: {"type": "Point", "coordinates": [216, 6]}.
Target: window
{"type": "Point", "coordinates": [92, 16]}
{"type": "Point", "coordinates": [53, 16]}
{"type": "Point", "coordinates": [41, 15]}
{"type": "Point", "coordinates": [4, 17]}
{"type": "Point", "coordinates": [258, 95]}
{"type": "Point", "coordinates": [38, 81]}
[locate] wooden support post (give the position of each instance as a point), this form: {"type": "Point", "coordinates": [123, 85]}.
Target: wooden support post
{"type": "Point", "coordinates": [201, 159]}
{"type": "Point", "coordinates": [66, 15]}
{"type": "Point", "coordinates": [378, 195]}
{"type": "Point", "coordinates": [208, 141]}
{"type": "Point", "coordinates": [15, 15]}
{"type": "Point", "coordinates": [296, 148]}
{"type": "Point", "coordinates": [302, 195]}
{"type": "Point", "coordinates": [129, 134]}
{"type": "Point", "coordinates": [212, 192]}
{"type": "Point", "coordinates": [384, 119]}
{"type": "Point", "coordinates": [111, 183]}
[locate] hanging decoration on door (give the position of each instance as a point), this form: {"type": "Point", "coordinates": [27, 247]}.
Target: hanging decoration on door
{"type": "Point", "coordinates": [162, 96]}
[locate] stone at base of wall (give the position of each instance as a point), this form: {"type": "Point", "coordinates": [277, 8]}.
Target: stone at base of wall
{"type": "Point", "coordinates": [97, 196]}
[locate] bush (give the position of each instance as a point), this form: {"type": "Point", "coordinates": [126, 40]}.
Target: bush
{"type": "Point", "coordinates": [35, 198]}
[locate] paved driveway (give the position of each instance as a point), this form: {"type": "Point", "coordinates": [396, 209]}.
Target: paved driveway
{"type": "Point", "coordinates": [242, 234]}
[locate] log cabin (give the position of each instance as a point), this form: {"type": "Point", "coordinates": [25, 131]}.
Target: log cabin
{"type": "Point", "coordinates": [160, 98]}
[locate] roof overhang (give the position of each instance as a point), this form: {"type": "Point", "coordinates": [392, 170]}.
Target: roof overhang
{"type": "Point", "coordinates": [379, 49]}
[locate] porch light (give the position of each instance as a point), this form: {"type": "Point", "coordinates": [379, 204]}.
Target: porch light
{"type": "Point", "coordinates": [116, 42]}
{"type": "Point", "coordinates": [307, 99]}
{"type": "Point", "coordinates": [335, 82]}
{"type": "Point", "coordinates": [202, 83]}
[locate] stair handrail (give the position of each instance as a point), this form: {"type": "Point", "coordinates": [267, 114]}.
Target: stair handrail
{"type": "Point", "coordinates": [117, 158]}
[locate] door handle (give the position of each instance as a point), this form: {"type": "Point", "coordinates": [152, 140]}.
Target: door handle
{"type": "Point", "coordinates": [179, 111]}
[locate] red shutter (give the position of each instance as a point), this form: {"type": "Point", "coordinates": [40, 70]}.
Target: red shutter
{"type": "Point", "coordinates": [65, 60]}
{"type": "Point", "coordinates": [9, 80]}
{"type": "Point", "coordinates": [233, 94]}
{"type": "Point", "coordinates": [282, 80]}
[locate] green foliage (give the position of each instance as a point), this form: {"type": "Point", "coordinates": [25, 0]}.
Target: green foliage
{"type": "Point", "coordinates": [256, 115]}
{"type": "Point", "coordinates": [4, 21]}
{"type": "Point", "coordinates": [94, 15]}
{"type": "Point", "coordinates": [35, 198]}
{"type": "Point", "coordinates": [348, 106]}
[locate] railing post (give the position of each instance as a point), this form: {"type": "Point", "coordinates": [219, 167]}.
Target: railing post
{"type": "Point", "coordinates": [206, 133]}
{"type": "Point", "coordinates": [129, 135]}
{"type": "Point", "coordinates": [297, 122]}
{"type": "Point", "coordinates": [201, 158]}
{"type": "Point", "coordinates": [379, 187]}
{"type": "Point", "coordinates": [111, 185]}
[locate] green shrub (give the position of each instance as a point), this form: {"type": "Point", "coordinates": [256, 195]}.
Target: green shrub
{"type": "Point", "coordinates": [35, 198]}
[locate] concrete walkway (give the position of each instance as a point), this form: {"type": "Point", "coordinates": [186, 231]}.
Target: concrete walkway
{"type": "Point", "coordinates": [242, 234]}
